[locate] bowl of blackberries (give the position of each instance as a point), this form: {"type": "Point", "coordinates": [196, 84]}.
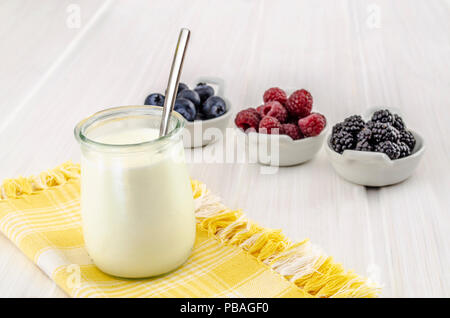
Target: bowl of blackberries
{"type": "Point", "coordinates": [377, 151]}
{"type": "Point", "coordinates": [203, 105]}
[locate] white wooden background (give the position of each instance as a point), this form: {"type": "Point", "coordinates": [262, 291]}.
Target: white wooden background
{"type": "Point", "coordinates": [350, 54]}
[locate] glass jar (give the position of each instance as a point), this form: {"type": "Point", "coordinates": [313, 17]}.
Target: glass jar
{"type": "Point", "coordinates": [136, 199]}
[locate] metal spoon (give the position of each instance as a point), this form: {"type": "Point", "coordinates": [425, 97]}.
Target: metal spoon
{"type": "Point", "coordinates": [174, 78]}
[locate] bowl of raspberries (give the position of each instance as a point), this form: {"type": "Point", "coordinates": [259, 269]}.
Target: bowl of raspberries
{"type": "Point", "coordinates": [203, 106]}
{"type": "Point", "coordinates": [288, 117]}
{"type": "Point", "coordinates": [377, 152]}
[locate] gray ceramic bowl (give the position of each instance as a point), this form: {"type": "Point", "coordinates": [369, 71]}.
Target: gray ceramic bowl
{"type": "Point", "coordinates": [373, 168]}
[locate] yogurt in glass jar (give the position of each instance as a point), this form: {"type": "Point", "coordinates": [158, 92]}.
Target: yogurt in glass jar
{"type": "Point", "coordinates": [136, 199]}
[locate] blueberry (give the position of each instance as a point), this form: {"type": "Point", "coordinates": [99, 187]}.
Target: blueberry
{"type": "Point", "coordinates": [191, 95]}
{"type": "Point", "coordinates": [186, 108]}
{"type": "Point", "coordinates": [154, 99]}
{"type": "Point", "coordinates": [204, 91]}
{"type": "Point", "coordinates": [213, 107]}
{"type": "Point", "coordinates": [199, 116]}
{"type": "Point", "coordinates": [181, 87]}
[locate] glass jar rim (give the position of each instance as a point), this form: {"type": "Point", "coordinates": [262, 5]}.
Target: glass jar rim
{"type": "Point", "coordinates": [82, 138]}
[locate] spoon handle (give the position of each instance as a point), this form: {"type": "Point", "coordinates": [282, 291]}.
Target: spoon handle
{"type": "Point", "coordinates": [174, 78]}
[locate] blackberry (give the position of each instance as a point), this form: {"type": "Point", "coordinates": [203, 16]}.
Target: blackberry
{"type": "Point", "coordinates": [342, 140]}
{"type": "Point", "coordinates": [364, 140]}
{"type": "Point", "coordinates": [364, 145]}
{"type": "Point", "coordinates": [383, 116]}
{"type": "Point", "coordinates": [405, 151]}
{"type": "Point", "coordinates": [353, 124]}
{"type": "Point", "coordinates": [337, 128]}
{"type": "Point", "coordinates": [398, 123]}
{"type": "Point", "coordinates": [383, 132]}
{"type": "Point", "coordinates": [391, 149]}
{"type": "Point", "coordinates": [408, 138]}
{"type": "Point", "coordinates": [364, 134]}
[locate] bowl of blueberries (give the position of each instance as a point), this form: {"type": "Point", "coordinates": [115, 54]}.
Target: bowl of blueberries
{"type": "Point", "coordinates": [375, 150]}
{"type": "Point", "coordinates": [206, 110]}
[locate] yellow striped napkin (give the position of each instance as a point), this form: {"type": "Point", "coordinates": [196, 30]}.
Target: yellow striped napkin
{"type": "Point", "coordinates": [232, 257]}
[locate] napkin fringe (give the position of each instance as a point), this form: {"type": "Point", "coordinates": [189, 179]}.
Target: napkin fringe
{"type": "Point", "coordinates": [301, 263]}
{"type": "Point", "coordinates": [17, 187]}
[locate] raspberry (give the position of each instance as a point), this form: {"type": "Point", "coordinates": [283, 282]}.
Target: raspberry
{"type": "Point", "coordinates": [274, 109]}
{"type": "Point", "coordinates": [324, 118]}
{"type": "Point", "coordinates": [259, 109]}
{"type": "Point", "coordinates": [292, 120]}
{"type": "Point", "coordinates": [299, 103]}
{"type": "Point", "coordinates": [311, 125]}
{"type": "Point", "coordinates": [248, 119]}
{"type": "Point", "coordinates": [269, 125]}
{"type": "Point", "coordinates": [252, 110]}
{"type": "Point", "coordinates": [292, 131]}
{"type": "Point", "coordinates": [275, 94]}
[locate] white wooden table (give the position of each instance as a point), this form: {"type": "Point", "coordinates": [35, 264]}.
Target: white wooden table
{"type": "Point", "coordinates": [56, 69]}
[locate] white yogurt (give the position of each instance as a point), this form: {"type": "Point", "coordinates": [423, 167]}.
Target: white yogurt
{"type": "Point", "coordinates": [137, 207]}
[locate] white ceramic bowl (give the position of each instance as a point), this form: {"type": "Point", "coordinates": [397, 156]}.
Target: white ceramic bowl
{"type": "Point", "coordinates": [373, 168]}
{"type": "Point", "coordinates": [199, 133]}
{"type": "Point", "coordinates": [289, 152]}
